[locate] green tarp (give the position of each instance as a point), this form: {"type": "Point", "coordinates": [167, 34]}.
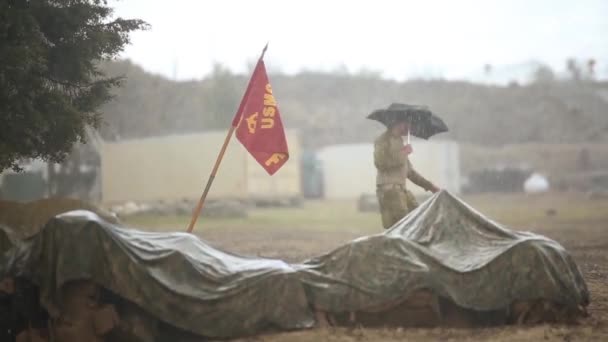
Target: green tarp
{"type": "Point", "coordinates": [444, 246]}
{"type": "Point", "coordinates": [449, 248]}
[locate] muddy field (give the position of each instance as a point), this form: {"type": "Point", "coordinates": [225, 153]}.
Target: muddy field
{"type": "Point", "coordinates": [578, 222]}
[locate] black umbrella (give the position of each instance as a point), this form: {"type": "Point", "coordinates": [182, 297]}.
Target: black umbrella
{"type": "Point", "coordinates": [424, 123]}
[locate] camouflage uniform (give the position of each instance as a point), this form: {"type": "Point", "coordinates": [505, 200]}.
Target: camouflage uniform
{"type": "Point", "coordinates": [393, 169]}
{"type": "Point", "coordinates": [412, 203]}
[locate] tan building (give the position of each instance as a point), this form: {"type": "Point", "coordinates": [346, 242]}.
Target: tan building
{"type": "Point", "coordinates": [349, 171]}
{"type": "Point", "coordinates": [177, 167]}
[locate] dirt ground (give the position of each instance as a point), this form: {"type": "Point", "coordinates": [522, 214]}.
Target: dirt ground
{"type": "Point", "coordinates": [579, 223]}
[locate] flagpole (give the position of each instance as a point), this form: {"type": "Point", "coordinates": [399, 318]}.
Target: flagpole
{"type": "Point", "coordinates": [201, 201]}
{"type": "Point", "coordinates": [235, 122]}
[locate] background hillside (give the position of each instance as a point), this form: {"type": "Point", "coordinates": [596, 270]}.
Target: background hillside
{"type": "Point", "coordinates": [330, 108]}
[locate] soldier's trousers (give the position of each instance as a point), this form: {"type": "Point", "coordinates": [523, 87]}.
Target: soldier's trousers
{"type": "Point", "coordinates": [395, 202]}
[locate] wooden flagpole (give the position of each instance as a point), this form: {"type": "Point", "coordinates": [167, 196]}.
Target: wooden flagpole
{"type": "Point", "coordinates": [201, 201]}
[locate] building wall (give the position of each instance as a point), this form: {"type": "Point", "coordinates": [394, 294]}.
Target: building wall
{"type": "Point", "coordinates": [177, 167]}
{"type": "Point", "coordinates": [285, 183]}
{"type": "Point", "coordinates": [439, 162]}
{"type": "Point", "coordinates": [349, 171]}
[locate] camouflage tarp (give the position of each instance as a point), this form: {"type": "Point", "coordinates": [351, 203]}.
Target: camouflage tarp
{"type": "Point", "coordinates": [174, 277]}
{"type": "Point", "coordinates": [7, 240]}
{"type": "Point", "coordinates": [448, 247]}
{"type": "Point", "coordinates": [443, 246]}
{"type": "Point", "coordinates": [11, 247]}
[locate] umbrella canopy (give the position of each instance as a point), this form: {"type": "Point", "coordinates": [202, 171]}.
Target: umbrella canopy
{"type": "Point", "coordinates": [424, 123]}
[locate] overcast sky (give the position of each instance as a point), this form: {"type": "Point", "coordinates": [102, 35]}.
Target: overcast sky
{"type": "Point", "coordinates": [399, 39]}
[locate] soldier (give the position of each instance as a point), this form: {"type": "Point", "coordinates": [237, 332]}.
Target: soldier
{"type": "Point", "coordinates": [394, 167]}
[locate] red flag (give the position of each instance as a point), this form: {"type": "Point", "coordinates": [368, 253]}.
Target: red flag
{"type": "Point", "coordinates": [258, 123]}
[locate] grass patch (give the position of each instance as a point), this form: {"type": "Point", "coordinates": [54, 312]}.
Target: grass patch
{"type": "Point", "coordinates": [312, 215]}
{"type": "Point", "coordinates": [513, 210]}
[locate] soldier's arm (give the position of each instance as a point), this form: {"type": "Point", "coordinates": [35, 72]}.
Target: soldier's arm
{"type": "Point", "coordinates": [387, 156]}
{"type": "Point", "coordinates": [417, 179]}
